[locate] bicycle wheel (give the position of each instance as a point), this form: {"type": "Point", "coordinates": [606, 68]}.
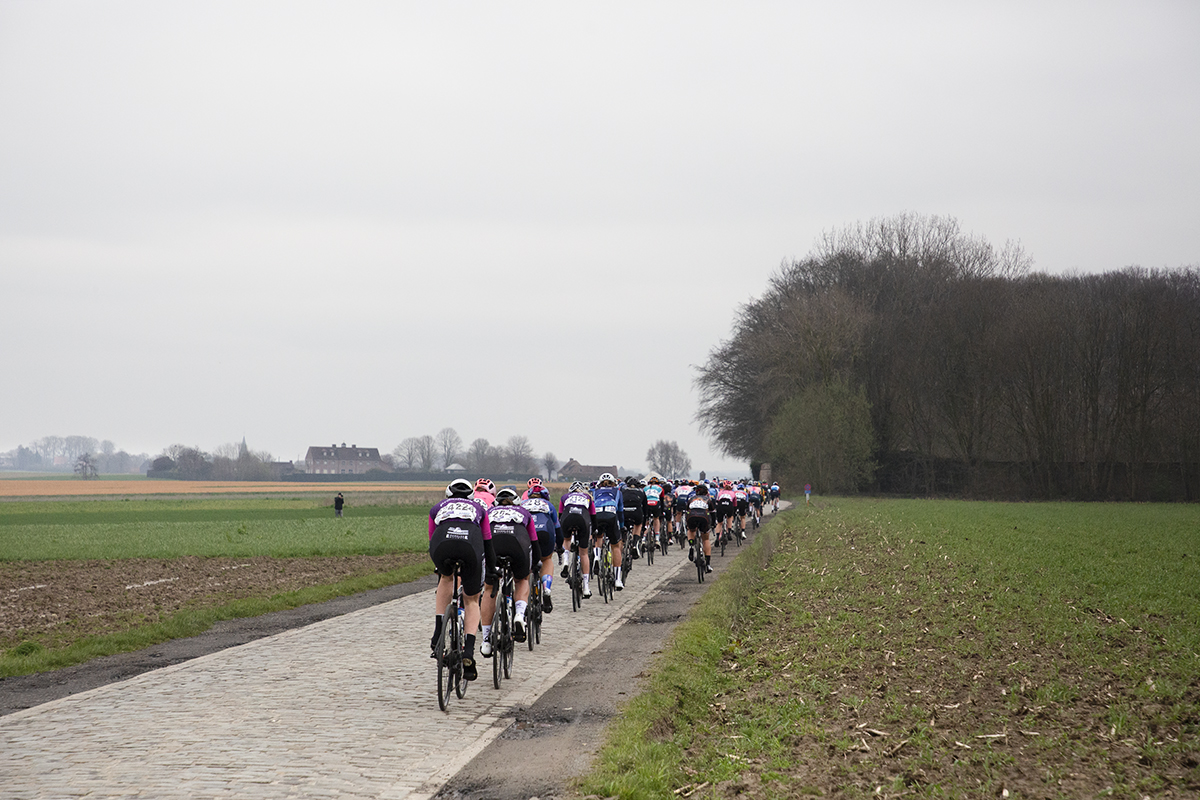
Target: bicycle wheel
{"type": "Point", "coordinates": [646, 540]}
{"type": "Point", "coordinates": [575, 578]}
{"type": "Point", "coordinates": [723, 538]}
{"type": "Point", "coordinates": [509, 641]}
{"type": "Point", "coordinates": [445, 656]}
{"type": "Point", "coordinates": [498, 643]}
{"type": "Point", "coordinates": [700, 561]}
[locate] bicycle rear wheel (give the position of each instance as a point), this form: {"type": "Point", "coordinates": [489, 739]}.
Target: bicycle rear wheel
{"type": "Point", "coordinates": [646, 545]}
{"type": "Point", "coordinates": [498, 643]}
{"type": "Point", "coordinates": [445, 655]}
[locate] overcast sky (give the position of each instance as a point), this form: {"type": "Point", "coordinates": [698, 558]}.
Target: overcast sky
{"type": "Point", "coordinates": [307, 223]}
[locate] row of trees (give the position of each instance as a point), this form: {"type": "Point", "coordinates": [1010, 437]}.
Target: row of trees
{"type": "Point", "coordinates": [430, 453]}
{"type": "Point", "coordinates": [62, 453]}
{"type": "Point", "coordinates": [229, 462]}
{"type": "Point", "coordinates": [908, 356]}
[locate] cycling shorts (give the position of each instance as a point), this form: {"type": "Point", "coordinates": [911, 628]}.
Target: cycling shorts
{"type": "Point", "coordinates": [606, 523]}
{"type": "Point", "coordinates": [681, 503]}
{"type": "Point", "coordinates": [455, 540]}
{"type": "Point", "coordinates": [547, 541]}
{"type": "Point", "coordinates": [517, 548]}
{"type": "Point", "coordinates": [577, 525]}
{"type": "Point", "coordinates": [756, 500]}
{"type": "Point", "coordinates": [723, 511]}
{"type": "Point", "coordinates": [743, 507]}
{"type": "Point", "coordinates": [654, 511]}
{"type": "Point", "coordinates": [697, 522]}
{"type": "Point", "coordinates": [633, 519]}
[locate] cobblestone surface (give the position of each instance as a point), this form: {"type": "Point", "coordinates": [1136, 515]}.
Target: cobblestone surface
{"type": "Point", "coordinates": [344, 708]}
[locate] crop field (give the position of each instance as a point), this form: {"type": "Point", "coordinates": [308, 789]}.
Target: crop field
{"type": "Point", "coordinates": [904, 648]}
{"type": "Point", "coordinates": [82, 578]}
{"type": "Point", "coordinates": [110, 485]}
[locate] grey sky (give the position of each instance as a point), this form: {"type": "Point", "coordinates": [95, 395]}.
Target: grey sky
{"type": "Point", "coordinates": [318, 222]}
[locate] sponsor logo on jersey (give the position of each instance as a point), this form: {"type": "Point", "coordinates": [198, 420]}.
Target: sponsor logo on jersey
{"type": "Point", "coordinates": [458, 533]}
{"type": "Point", "coordinates": [503, 514]}
{"type": "Point", "coordinates": [537, 505]}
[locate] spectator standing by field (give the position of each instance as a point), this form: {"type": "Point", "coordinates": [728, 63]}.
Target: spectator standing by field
{"type": "Point", "coordinates": [338, 503]}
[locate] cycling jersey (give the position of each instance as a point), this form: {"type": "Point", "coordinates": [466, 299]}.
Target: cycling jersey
{"type": "Point", "coordinates": [513, 535]}
{"type": "Point", "coordinates": [545, 522]}
{"type": "Point", "coordinates": [699, 513]}
{"type": "Point", "coordinates": [634, 501]}
{"type": "Point", "coordinates": [458, 528]}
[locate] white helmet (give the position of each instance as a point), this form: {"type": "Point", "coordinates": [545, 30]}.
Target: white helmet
{"type": "Point", "coordinates": [608, 476]}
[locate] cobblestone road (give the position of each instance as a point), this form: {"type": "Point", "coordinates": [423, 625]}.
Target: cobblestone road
{"type": "Point", "coordinates": [343, 708]}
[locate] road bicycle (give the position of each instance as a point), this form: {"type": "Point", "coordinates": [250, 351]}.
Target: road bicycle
{"type": "Point", "coordinates": [701, 561]}
{"type": "Point", "coordinates": [575, 575]}
{"type": "Point", "coordinates": [451, 645]}
{"type": "Point", "coordinates": [626, 555]}
{"type": "Point", "coordinates": [533, 611]}
{"type": "Point", "coordinates": [649, 542]}
{"type": "Point", "coordinates": [604, 574]}
{"type": "Point", "coordinates": [502, 622]}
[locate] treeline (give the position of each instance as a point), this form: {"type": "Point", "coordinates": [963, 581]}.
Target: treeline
{"type": "Point", "coordinates": [62, 454]}
{"type": "Point", "coordinates": [229, 462]}
{"type": "Point", "coordinates": [434, 453]}
{"type": "Point", "coordinates": [905, 356]}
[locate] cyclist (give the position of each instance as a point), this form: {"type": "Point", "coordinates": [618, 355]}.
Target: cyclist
{"type": "Point", "coordinates": [654, 507]}
{"type": "Point", "coordinates": [726, 505]}
{"type": "Point", "coordinates": [701, 508]}
{"type": "Point", "coordinates": [742, 497]}
{"type": "Point", "coordinates": [576, 511]}
{"type": "Point", "coordinates": [545, 522]}
{"type": "Point", "coordinates": [634, 499]}
{"type": "Point", "coordinates": [683, 493]}
{"type": "Point", "coordinates": [485, 492]}
{"type": "Point", "coordinates": [610, 518]}
{"type": "Point", "coordinates": [755, 491]}
{"type": "Point", "coordinates": [513, 535]}
{"type": "Point", "coordinates": [459, 531]}
{"type": "Point", "coordinates": [533, 483]}
{"type": "Point", "coordinates": [774, 493]}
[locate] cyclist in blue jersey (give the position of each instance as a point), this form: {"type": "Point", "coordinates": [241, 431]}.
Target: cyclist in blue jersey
{"type": "Point", "coordinates": [656, 494]}
{"type": "Point", "coordinates": [610, 518]}
{"type": "Point", "coordinates": [545, 521]}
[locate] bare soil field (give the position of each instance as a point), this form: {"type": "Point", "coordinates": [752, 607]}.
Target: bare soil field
{"type": "Point", "coordinates": [68, 600]}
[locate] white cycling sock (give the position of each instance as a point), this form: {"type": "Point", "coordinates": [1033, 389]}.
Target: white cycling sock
{"type": "Point", "coordinates": [487, 630]}
{"type": "Point", "coordinates": [546, 581]}
{"type": "Point", "coordinates": [521, 609]}
{"type": "Point", "coordinates": [586, 582]}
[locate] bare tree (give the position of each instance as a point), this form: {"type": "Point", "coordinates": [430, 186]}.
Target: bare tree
{"type": "Point", "coordinates": [449, 444]}
{"type": "Point", "coordinates": [519, 454]}
{"type": "Point", "coordinates": [426, 452]}
{"type": "Point", "coordinates": [550, 463]}
{"type": "Point", "coordinates": [406, 453]}
{"type": "Point", "coordinates": [667, 459]}
{"type": "Point", "coordinates": [84, 466]}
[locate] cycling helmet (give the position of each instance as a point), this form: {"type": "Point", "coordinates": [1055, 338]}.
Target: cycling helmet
{"type": "Point", "coordinates": [577, 486]}
{"type": "Point", "coordinates": [607, 478]}
{"type": "Point", "coordinates": [459, 487]}
{"type": "Point", "coordinates": [506, 496]}
{"type": "Point", "coordinates": [540, 491]}
{"type": "Point", "coordinates": [701, 489]}
{"type": "Point", "coordinates": [485, 485]}
{"type": "Point", "coordinates": [654, 479]}
{"type": "Point", "coordinates": [534, 481]}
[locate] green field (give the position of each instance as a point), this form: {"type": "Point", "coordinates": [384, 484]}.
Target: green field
{"type": "Point", "coordinates": [887, 648]}
{"type": "Point", "coordinates": [107, 529]}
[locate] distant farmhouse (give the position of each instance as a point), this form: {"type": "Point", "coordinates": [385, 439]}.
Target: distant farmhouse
{"type": "Point", "coordinates": [574, 471]}
{"type": "Point", "coordinates": [343, 460]}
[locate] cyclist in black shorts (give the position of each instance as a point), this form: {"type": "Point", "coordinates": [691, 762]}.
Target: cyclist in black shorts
{"type": "Point", "coordinates": [514, 536]}
{"type": "Point", "coordinates": [459, 531]}
{"type": "Point", "coordinates": [699, 521]}
{"type": "Point", "coordinates": [635, 512]}
{"type": "Point", "coordinates": [576, 511]}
